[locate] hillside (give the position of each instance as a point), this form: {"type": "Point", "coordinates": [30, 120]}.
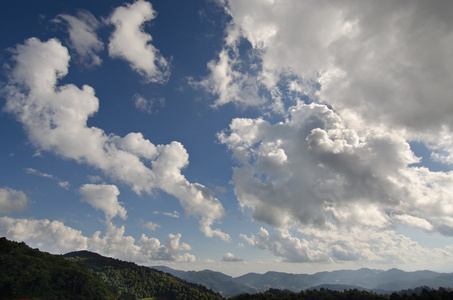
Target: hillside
{"type": "Point", "coordinates": [138, 281]}
{"type": "Point", "coordinates": [30, 273]}
{"type": "Point", "coordinates": [27, 272]}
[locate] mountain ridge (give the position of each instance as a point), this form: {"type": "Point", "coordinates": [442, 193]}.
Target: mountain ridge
{"type": "Point", "coordinates": [373, 280]}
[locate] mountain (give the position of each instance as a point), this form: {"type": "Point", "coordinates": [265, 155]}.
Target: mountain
{"type": "Point", "coordinates": [394, 279]}
{"type": "Point", "coordinates": [363, 277]}
{"type": "Point", "coordinates": [277, 280]}
{"type": "Point", "coordinates": [366, 279]}
{"type": "Point", "coordinates": [136, 282]}
{"type": "Point", "coordinates": [379, 281]}
{"type": "Point", "coordinates": [223, 284]}
{"type": "Point", "coordinates": [27, 272]}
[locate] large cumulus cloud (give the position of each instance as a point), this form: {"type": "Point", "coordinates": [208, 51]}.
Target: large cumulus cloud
{"type": "Point", "coordinates": [378, 76]}
{"type": "Point", "coordinates": [394, 57]}
{"type": "Point", "coordinates": [375, 63]}
{"type": "Point", "coordinates": [312, 171]}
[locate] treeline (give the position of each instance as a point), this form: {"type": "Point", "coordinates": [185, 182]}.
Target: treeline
{"type": "Point", "coordinates": [423, 293]}
{"type": "Point", "coordinates": [320, 294]}
{"type": "Point", "coordinates": [136, 282]}
{"type": "Point", "coordinates": [353, 294]}
{"type": "Point", "coordinates": [27, 272]}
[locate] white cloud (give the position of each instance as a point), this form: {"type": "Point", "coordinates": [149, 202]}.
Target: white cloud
{"type": "Point", "coordinates": [83, 38]}
{"type": "Point", "coordinates": [394, 57]}
{"type": "Point", "coordinates": [115, 243]}
{"type": "Point", "coordinates": [36, 172]}
{"type": "Point", "coordinates": [194, 197]}
{"type": "Point", "coordinates": [206, 228]}
{"type": "Point", "coordinates": [330, 244]}
{"type": "Point", "coordinates": [312, 171]}
{"type": "Point", "coordinates": [376, 64]}
{"type": "Point", "coordinates": [415, 222]}
{"type": "Point", "coordinates": [105, 198]}
{"type": "Point", "coordinates": [369, 245]}
{"type": "Point", "coordinates": [136, 144]}
{"type": "Point", "coordinates": [64, 184]}
{"type": "Point", "coordinates": [173, 214]}
{"type": "Point", "coordinates": [55, 237]}
{"type": "Point", "coordinates": [229, 84]}
{"type": "Point", "coordinates": [131, 43]}
{"type": "Point", "coordinates": [319, 169]}
{"type": "Point", "coordinates": [229, 257]}
{"type": "Point", "coordinates": [151, 226]}
{"type": "Point", "coordinates": [349, 164]}
{"type": "Point", "coordinates": [12, 200]}
{"type": "Point", "coordinates": [50, 236]}
{"type": "Point", "coordinates": [55, 119]}
{"type": "Point", "coordinates": [283, 245]}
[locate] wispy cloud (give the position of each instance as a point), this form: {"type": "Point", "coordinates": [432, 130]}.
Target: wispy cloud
{"type": "Point", "coordinates": [63, 184]}
{"type": "Point", "coordinates": [148, 105]}
{"type": "Point", "coordinates": [173, 214]}
{"type": "Point", "coordinates": [83, 38]}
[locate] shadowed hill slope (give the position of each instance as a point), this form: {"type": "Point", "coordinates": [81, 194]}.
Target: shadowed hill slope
{"type": "Point", "coordinates": [27, 272]}
{"type": "Point", "coordinates": [139, 281]}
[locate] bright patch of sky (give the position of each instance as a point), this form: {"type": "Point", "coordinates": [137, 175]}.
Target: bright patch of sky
{"type": "Point", "coordinates": [238, 136]}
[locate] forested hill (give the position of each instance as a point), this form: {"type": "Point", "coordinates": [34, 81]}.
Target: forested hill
{"type": "Point", "coordinates": [30, 273]}
{"type": "Point", "coordinates": [137, 282]}
{"type": "Point", "coordinates": [27, 272]}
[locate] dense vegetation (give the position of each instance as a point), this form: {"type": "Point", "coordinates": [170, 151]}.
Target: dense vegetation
{"type": "Point", "coordinates": [136, 282]}
{"type": "Point", "coordinates": [354, 294]}
{"type": "Point", "coordinates": [310, 294]}
{"type": "Point", "coordinates": [27, 272]}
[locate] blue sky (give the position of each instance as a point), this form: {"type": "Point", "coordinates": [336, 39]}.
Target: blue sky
{"type": "Point", "coordinates": [237, 136]}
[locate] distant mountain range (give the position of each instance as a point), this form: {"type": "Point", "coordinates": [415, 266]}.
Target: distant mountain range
{"type": "Point", "coordinates": [379, 281]}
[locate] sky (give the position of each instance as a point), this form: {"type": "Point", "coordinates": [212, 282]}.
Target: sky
{"type": "Point", "coordinates": [237, 136]}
